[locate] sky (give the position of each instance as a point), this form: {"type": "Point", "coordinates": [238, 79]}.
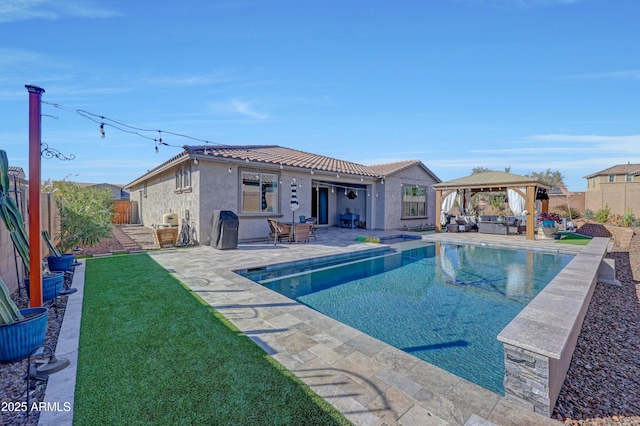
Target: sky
{"type": "Point", "coordinates": [457, 84]}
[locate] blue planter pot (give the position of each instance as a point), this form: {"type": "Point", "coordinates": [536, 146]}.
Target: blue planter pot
{"type": "Point", "coordinates": [20, 338]}
{"type": "Point", "coordinates": [549, 223]}
{"type": "Point", "coordinates": [62, 263]}
{"type": "Point", "coordinates": [51, 286]}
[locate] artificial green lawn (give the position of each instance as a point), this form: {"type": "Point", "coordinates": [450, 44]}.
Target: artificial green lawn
{"type": "Point", "coordinates": [153, 353]}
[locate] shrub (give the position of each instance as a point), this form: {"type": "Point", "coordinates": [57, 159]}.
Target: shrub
{"type": "Point", "coordinates": [602, 215]}
{"type": "Point", "coordinates": [85, 215]}
{"type": "Point", "coordinates": [628, 219]}
{"type": "Point", "coordinates": [566, 211]}
{"type": "Point", "coordinates": [588, 214]}
{"type": "Point", "coordinates": [615, 219]}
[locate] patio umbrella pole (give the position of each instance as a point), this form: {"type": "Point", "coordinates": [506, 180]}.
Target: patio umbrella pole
{"type": "Point", "coordinates": [294, 199]}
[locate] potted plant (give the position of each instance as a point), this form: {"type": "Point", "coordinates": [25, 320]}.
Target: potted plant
{"type": "Point", "coordinates": [57, 260]}
{"type": "Point", "coordinates": [549, 219]}
{"type": "Point", "coordinates": [21, 331]}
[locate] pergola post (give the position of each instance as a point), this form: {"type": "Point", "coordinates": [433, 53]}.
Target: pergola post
{"type": "Point", "coordinates": [438, 209]}
{"type": "Point", "coordinates": [531, 206]}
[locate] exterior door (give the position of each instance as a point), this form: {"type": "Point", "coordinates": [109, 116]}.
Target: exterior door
{"type": "Point", "coordinates": [320, 205]}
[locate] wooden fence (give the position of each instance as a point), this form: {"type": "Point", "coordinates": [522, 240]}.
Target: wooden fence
{"type": "Point", "coordinates": [122, 212]}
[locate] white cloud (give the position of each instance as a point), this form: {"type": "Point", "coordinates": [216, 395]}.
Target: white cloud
{"type": "Point", "coordinates": [245, 108]}
{"type": "Point", "coordinates": [238, 106]}
{"type": "Point", "coordinates": [23, 10]}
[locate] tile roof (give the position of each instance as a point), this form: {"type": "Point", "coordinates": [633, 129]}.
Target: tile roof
{"type": "Point", "coordinates": [390, 168]}
{"type": "Point", "coordinates": [620, 169]}
{"type": "Point", "coordinates": [274, 154]}
{"type": "Point", "coordinates": [488, 179]}
{"type": "Point", "coordinates": [15, 170]}
{"type": "Point", "coordinates": [286, 157]}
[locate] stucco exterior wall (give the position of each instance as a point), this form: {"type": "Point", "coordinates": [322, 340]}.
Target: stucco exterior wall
{"type": "Point", "coordinates": [214, 187]}
{"type": "Point", "coordinates": [162, 197]}
{"type": "Point", "coordinates": [393, 190]}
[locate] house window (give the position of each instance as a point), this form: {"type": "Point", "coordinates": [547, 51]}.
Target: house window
{"type": "Point", "coordinates": [414, 201]}
{"type": "Point", "coordinates": [612, 178]}
{"type": "Point", "coordinates": [259, 192]}
{"type": "Point", "coordinates": [593, 181]}
{"type": "Point", "coordinates": [186, 177]}
{"type": "Point", "coordinates": [179, 179]}
{"type": "Point", "coordinates": [144, 190]}
{"type": "Point", "coordinates": [629, 177]}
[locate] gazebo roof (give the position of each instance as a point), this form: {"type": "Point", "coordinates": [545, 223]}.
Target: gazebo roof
{"type": "Point", "coordinates": [495, 180]}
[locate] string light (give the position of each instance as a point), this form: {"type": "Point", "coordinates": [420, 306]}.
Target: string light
{"type": "Point", "coordinates": [142, 131]}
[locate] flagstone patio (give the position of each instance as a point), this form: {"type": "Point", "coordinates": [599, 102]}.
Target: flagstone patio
{"type": "Point", "coordinates": [370, 382]}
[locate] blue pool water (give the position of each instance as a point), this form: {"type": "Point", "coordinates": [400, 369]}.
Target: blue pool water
{"type": "Point", "coordinates": [442, 303]}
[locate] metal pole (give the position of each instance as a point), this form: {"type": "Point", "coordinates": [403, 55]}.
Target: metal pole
{"type": "Point", "coordinates": [35, 255]}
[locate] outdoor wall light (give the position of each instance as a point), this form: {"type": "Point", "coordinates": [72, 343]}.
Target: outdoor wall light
{"type": "Point", "coordinates": [229, 169]}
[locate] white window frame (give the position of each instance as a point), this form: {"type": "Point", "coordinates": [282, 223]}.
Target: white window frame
{"type": "Point", "coordinates": [186, 177]}
{"type": "Point", "coordinates": [414, 204]}
{"type": "Point", "coordinates": [178, 179]}
{"type": "Point", "coordinates": [263, 178]}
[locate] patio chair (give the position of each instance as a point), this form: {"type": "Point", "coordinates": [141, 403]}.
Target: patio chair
{"type": "Point", "coordinates": [278, 231]}
{"type": "Point", "coordinates": [551, 232]}
{"type": "Point", "coordinates": [312, 226]}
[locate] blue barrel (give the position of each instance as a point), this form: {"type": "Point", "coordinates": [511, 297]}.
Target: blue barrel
{"type": "Point", "coordinates": [18, 339]}
{"type": "Point", "coordinates": [62, 263]}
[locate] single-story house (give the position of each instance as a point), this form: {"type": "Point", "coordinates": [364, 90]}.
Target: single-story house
{"type": "Point", "coordinates": [257, 181]}
{"type": "Point", "coordinates": [117, 191]}
{"type": "Point", "coordinates": [617, 187]}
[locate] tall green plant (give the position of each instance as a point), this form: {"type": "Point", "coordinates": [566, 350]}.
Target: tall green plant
{"type": "Point", "coordinates": [9, 312]}
{"type": "Point", "coordinates": [602, 215]}
{"type": "Point", "coordinates": [10, 213]}
{"type": "Point", "coordinates": [628, 219]}
{"type": "Point", "coordinates": [12, 219]}
{"type": "Point", "coordinates": [85, 215]}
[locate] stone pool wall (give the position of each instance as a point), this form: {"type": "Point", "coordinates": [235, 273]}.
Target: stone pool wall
{"type": "Point", "coordinates": [540, 341]}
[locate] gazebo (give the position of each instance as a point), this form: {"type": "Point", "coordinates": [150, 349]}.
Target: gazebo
{"type": "Point", "coordinates": [522, 192]}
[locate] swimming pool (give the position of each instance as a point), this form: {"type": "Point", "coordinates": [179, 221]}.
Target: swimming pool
{"type": "Point", "coordinates": [443, 303]}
